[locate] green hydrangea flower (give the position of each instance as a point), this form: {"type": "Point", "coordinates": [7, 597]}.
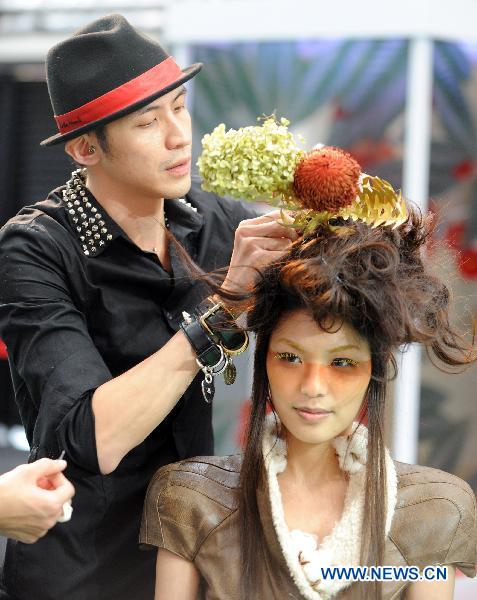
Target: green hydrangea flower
{"type": "Point", "coordinates": [252, 163]}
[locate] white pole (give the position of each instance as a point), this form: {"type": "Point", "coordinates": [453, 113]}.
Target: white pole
{"type": "Point", "coordinates": [415, 188]}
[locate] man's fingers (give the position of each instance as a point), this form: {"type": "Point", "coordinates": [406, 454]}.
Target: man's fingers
{"type": "Point", "coordinates": [269, 225]}
{"type": "Point", "coordinates": [257, 244]}
{"type": "Point", "coordinates": [56, 480]}
{"type": "Point", "coordinates": [64, 491]}
{"type": "Point", "coordinates": [45, 484]}
{"type": "Point", "coordinates": [273, 215]}
{"type": "Point", "coordinates": [46, 467]}
{"type": "Point", "coordinates": [270, 229]}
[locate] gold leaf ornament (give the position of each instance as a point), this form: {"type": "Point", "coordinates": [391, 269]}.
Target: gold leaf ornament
{"type": "Point", "coordinates": [377, 203]}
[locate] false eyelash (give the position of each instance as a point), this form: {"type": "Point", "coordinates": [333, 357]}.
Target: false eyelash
{"type": "Point", "coordinates": [350, 362]}
{"type": "Point", "coordinates": [284, 355]}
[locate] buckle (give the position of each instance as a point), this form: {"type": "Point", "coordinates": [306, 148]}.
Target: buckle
{"type": "Point", "coordinates": [233, 340]}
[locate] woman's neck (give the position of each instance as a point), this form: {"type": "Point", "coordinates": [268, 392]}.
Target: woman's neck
{"type": "Point", "coordinates": [311, 465]}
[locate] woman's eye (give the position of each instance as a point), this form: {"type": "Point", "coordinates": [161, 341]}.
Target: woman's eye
{"type": "Point", "coordinates": [344, 362]}
{"type": "Point", "coordinates": [288, 357]}
{"type": "Point", "coordinates": [179, 108]}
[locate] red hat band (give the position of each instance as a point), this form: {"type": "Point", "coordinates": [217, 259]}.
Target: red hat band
{"type": "Point", "coordinates": [135, 90]}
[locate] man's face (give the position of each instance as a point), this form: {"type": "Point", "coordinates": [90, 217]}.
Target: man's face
{"type": "Point", "coordinates": [150, 149]}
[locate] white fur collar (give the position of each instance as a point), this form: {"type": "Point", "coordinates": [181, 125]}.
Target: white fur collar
{"type": "Point", "coordinates": [342, 546]}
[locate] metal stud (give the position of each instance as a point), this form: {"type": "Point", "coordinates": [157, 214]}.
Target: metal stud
{"type": "Point", "coordinates": [91, 226]}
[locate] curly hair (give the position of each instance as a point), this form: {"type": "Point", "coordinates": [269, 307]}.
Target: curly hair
{"type": "Point", "coordinates": [377, 280]}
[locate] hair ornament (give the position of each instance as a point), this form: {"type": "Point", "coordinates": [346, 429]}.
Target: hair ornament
{"type": "Point", "coordinates": [264, 163]}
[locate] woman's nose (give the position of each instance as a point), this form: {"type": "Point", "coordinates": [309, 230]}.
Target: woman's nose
{"type": "Point", "coordinates": [314, 382]}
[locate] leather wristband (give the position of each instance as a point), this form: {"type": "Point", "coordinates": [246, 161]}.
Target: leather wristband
{"type": "Point", "coordinates": [207, 351]}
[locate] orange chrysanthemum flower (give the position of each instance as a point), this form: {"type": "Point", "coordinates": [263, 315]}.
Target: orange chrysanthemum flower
{"type": "Point", "coordinates": [327, 179]}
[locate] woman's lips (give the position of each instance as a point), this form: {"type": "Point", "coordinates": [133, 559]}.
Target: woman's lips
{"type": "Point", "coordinates": [312, 414]}
{"type": "Point", "coordinates": [181, 168]}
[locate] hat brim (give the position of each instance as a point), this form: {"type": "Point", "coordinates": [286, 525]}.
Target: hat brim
{"type": "Point", "coordinates": [60, 138]}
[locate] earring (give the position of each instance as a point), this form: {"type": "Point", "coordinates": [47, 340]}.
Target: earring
{"type": "Point", "coordinates": [91, 150]}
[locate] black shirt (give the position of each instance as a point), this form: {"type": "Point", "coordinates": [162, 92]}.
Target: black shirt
{"type": "Point", "coordinates": [73, 320]}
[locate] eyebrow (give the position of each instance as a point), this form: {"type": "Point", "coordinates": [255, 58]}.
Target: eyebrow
{"type": "Point", "coordinates": [150, 107]}
{"type": "Point", "coordinates": [337, 349]}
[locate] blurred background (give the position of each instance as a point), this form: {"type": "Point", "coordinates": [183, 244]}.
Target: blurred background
{"type": "Point", "coordinates": [396, 85]}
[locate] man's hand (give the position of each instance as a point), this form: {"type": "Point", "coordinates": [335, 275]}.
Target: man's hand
{"type": "Point", "coordinates": [257, 243]}
{"type": "Point", "coordinates": [32, 498]}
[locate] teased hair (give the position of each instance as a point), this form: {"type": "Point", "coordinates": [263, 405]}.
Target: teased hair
{"type": "Point", "coordinates": [375, 279]}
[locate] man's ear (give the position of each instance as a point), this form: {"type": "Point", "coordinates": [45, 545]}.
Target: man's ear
{"type": "Point", "coordinates": [83, 150]}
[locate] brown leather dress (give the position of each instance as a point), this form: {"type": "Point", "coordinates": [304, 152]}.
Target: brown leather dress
{"type": "Point", "coordinates": [191, 510]}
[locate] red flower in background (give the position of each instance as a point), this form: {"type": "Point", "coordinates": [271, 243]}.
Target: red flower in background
{"type": "Point", "coordinates": [468, 263]}
{"type": "Point", "coordinates": [244, 417]}
{"type": "Point", "coordinates": [340, 114]}
{"type": "Point", "coordinates": [466, 256]}
{"type": "Point", "coordinates": [3, 351]}
{"type": "Point", "coordinates": [463, 170]}
{"type": "Point", "coordinates": [370, 152]}
{"type": "Point", "coordinates": [454, 235]}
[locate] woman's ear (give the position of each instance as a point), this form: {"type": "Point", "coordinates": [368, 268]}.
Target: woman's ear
{"type": "Point", "coordinates": [82, 150]}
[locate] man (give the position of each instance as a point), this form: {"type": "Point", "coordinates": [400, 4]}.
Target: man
{"type": "Point", "coordinates": [91, 302]}
{"type": "Point", "coordinates": [32, 499]}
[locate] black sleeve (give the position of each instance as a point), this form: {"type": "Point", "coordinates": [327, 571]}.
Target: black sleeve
{"type": "Point", "coordinates": [55, 364]}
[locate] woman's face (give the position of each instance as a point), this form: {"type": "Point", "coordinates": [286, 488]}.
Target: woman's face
{"type": "Point", "coordinates": [318, 380]}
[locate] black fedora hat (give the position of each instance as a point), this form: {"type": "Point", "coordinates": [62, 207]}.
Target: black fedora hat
{"type": "Point", "coordinates": [104, 71]}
